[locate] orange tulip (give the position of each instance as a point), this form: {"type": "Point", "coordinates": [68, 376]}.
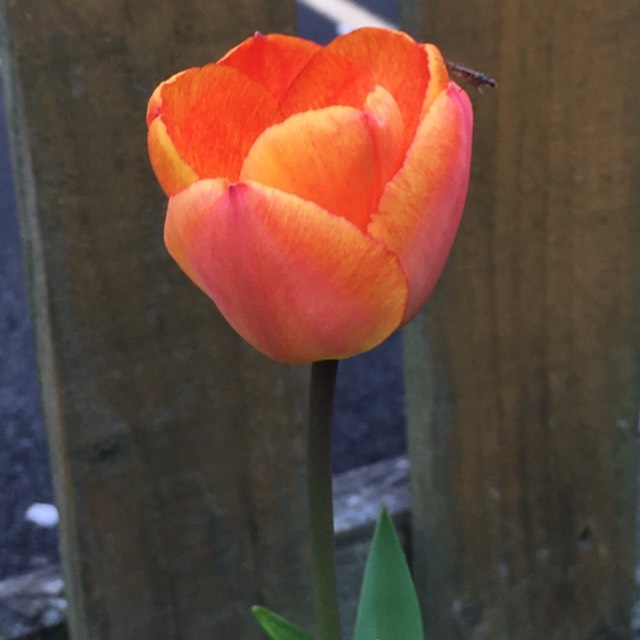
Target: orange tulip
{"type": "Point", "coordinates": [315, 192]}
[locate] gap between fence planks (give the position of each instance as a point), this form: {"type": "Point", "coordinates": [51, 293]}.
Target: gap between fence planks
{"type": "Point", "coordinates": [523, 380]}
{"type": "Point", "coordinates": [176, 449]}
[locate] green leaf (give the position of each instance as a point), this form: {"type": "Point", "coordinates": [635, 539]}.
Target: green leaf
{"type": "Point", "coordinates": [388, 607]}
{"type": "Point", "coordinates": [277, 628]}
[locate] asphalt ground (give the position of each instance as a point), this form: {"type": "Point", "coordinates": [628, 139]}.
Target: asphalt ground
{"type": "Point", "coordinates": [369, 408]}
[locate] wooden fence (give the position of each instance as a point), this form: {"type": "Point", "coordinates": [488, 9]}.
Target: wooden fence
{"type": "Point", "coordinates": [176, 449]}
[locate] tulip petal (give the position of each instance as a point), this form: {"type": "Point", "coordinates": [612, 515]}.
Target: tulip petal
{"type": "Point", "coordinates": [351, 66]}
{"type": "Point", "coordinates": [421, 207]}
{"type": "Point", "coordinates": [338, 157]}
{"type": "Point", "coordinates": [172, 172]}
{"type": "Point", "coordinates": [296, 282]}
{"type": "Point", "coordinates": [212, 116]}
{"type": "Point", "coordinates": [325, 156]}
{"type": "Point", "coordinates": [387, 132]}
{"type": "Point", "coordinates": [273, 60]}
{"type": "Point", "coordinates": [154, 106]}
{"type": "Point", "coordinates": [438, 76]}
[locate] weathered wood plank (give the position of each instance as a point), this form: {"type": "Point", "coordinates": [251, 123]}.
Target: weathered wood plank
{"type": "Point", "coordinates": [523, 383]}
{"type": "Point", "coordinates": [175, 448]}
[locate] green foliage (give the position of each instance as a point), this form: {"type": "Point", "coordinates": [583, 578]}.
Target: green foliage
{"type": "Point", "coordinates": [277, 628]}
{"type": "Point", "coordinates": [388, 608]}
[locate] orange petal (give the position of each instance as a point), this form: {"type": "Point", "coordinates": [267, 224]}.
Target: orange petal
{"type": "Point", "coordinates": [338, 157]}
{"type": "Point", "coordinates": [172, 172]}
{"type": "Point", "coordinates": [421, 207]}
{"type": "Point", "coordinates": [212, 116]}
{"type": "Point", "coordinates": [350, 67]}
{"type": "Point", "coordinates": [155, 101]}
{"type": "Point", "coordinates": [438, 76]}
{"type": "Point", "coordinates": [387, 132]}
{"type": "Point", "coordinates": [296, 282]}
{"type": "Point", "coordinates": [273, 60]}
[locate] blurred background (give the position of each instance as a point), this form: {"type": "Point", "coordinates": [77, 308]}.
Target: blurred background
{"type": "Point", "coordinates": [369, 406]}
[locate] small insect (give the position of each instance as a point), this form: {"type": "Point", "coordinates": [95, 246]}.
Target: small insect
{"type": "Point", "coordinates": [476, 79]}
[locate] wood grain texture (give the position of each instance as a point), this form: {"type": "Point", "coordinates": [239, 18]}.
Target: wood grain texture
{"type": "Point", "coordinates": [523, 380]}
{"type": "Point", "coordinates": [176, 449]}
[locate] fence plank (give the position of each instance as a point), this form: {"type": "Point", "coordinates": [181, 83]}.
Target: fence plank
{"type": "Point", "coordinates": [523, 381]}
{"type": "Point", "coordinates": [175, 448]}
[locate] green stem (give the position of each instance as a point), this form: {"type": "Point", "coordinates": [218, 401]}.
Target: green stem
{"type": "Point", "coordinates": [323, 564]}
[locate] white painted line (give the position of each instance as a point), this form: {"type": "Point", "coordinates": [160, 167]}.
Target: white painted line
{"type": "Point", "coordinates": [345, 12]}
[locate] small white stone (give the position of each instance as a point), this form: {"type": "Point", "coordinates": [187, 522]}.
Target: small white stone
{"type": "Point", "coordinates": [42, 514]}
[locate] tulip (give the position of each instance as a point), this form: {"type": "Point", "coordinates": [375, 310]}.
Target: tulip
{"type": "Point", "coordinates": [314, 192]}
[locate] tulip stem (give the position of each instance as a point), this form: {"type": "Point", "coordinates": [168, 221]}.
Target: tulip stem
{"type": "Point", "coordinates": [323, 564]}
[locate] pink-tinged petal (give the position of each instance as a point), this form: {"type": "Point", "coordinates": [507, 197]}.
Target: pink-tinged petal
{"type": "Point", "coordinates": [296, 282]}
{"type": "Point", "coordinates": [273, 60]}
{"type": "Point", "coordinates": [349, 68]}
{"type": "Point", "coordinates": [212, 116]}
{"type": "Point", "coordinates": [339, 157]}
{"type": "Point", "coordinates": [421, 207]}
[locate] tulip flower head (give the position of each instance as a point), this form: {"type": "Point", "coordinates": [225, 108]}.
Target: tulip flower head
{"type": "Point", "coordinates": [314, 192]}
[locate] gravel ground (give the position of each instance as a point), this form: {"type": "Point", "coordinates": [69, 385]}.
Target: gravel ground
{"type": "Point", "coordinates": [24, 468]}
{"type": "Point", "coordinates": [369, 410]}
